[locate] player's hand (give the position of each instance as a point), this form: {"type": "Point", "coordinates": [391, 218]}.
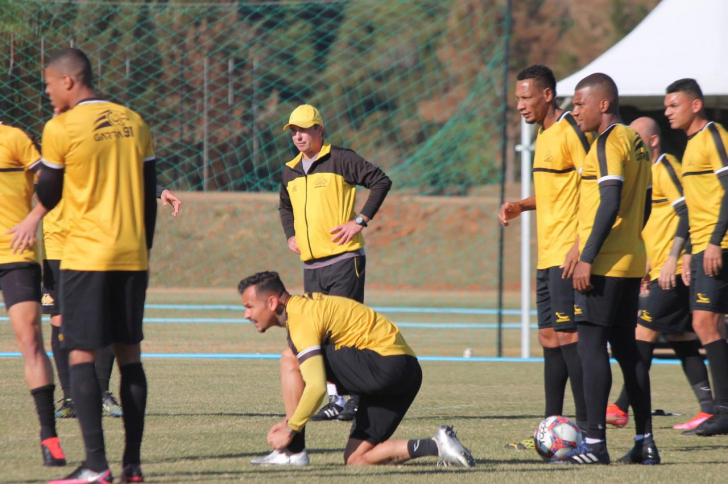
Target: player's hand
{"type": "Point", "coordinates": [169, 197]}
{"type": "Point", "coordinates": [686, 269]}
{"type": "Point", "coordinates": [712, 260]}
{"type": "Point", "coordinates": [293, 245]}
{"type": "Point", "coordinates": [280, 436]}
{"type": "Point", "coordinates": [572, 258]}
{"type": "Point", "coordinates": [24, 233]}
{"type": "Point", "coordinates": [667, 274]}
{"type": "Point", "coordinates": [582, 277]}
{"type": "Point", "coordinates": [344, 233]}
{"type": "Point", "coordinates": [645, 285]}
{"type": "Point", "coordinates": [508, 211]}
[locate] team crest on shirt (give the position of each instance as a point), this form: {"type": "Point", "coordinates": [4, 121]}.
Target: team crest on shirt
{"type": "Point", "coordinates": [110, 119]}
{"type": "Point", "coordinates": [577, 310]}
{"type": "Point", "coordinates": [47, 300]}
{"type": "Point", "coordinates": [320, 182]}
{"type": "Point", "coordinates": [702, 299]}
{"type": "Point", "coordinates": [562, 317]}
{"type": "Point", "coordinates": [645, 316]}
{"type": "Point", "coordinates": [549, 158]}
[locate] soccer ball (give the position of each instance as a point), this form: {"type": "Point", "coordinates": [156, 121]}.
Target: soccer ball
{"type": "Point", "coordinates": [555, 437]}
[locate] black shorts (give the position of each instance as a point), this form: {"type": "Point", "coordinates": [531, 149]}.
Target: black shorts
{"type": "Point", "coordinates": [386, 385]}
{"type": "Point", "coordinates": [101, 308]}
{"type": "Point", "coordinates": [554, 300]}
{"type": "Point", "coordinates": [50, 301]}
{"type": "Point", "coordinates": [613, 301]}
{"type": "Point", "coordinates": [344, 278]}
{"type": "Point", "coordinates": [666, 311]}
{"type": "Point", "coordinates": [708, 293]}
{"type": "Point", "coordinates": [20, 282]}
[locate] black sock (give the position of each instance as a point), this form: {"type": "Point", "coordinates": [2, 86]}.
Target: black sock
{"type": "Point", "coordinates": [623, 400]}
{"type": "Point", "coordinates": [86, 401]}
{"type": "Point", "coordinates": [298, 443]}
{"type": "Point", "coordinates": [555, 374]}
{"type": "Point", "coordinates": [634, 358]}
{"type": "Point", "coordinates": [43, 397]}
{"type": "Point", "coordinates": [717, 352]}
{"type": "Point", "coordinates": [696, 372]}
{"type": "Point", "coordinates": [133, 395]}
{"type": "Point", "coordinates": [597, 377]}
{"type": "Point", "coordinates": [576, 375]}
{"type": "Point", "coordinates": [646, 351]}
{"type": "Point", "coordinates": [104, 366]}
{"type": "Point", "coordinates": [60, 356]}
{"type": "Point", "coordinates": [422, 448]}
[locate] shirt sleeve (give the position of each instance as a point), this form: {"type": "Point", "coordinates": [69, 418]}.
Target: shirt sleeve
{"type": "Point", "coordinates": [55, 144]}
{"type": "Point", "coordinates": [578, 144]}
{"type": "Point", "coordinates": [611, 157]}
{"type": "Point", "coordinates": [669, 181]}
{"type": "Point", "coordinates": [25, 150]}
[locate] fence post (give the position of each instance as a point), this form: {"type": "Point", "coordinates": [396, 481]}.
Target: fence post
{"type": "Point", "coordinates": [205, 127]}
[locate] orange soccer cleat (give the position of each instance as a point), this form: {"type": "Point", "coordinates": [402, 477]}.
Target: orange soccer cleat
{"type": "Point", "coordinates": [693, 422]}
{"type": "Point", "coordinates": [616, 417]}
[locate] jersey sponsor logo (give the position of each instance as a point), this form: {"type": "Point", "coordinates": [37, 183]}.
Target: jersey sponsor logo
{"type": "Point", "coordinates": [320, 182]}
{"type": "Point", "coordinates": [645, 316]}
{"type": "Point", "coordinates": [549, 158]}
{"type": "Point", "coordinates": [47, 300]}
{"type": "Point", "coordinates": [702, 299]}
{"type": "Point", "coordinates": [562, 317]}
{"type": "Point", "coordinates": [112, 119]}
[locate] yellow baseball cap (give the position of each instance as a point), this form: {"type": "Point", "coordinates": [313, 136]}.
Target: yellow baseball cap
{"type": "Point", "coordinates": [304, 116]}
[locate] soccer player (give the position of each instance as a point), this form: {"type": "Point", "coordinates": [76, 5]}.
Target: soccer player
{"type": "Point", "coordinates": [99, 156]}
{"type": "Point", "coordinates": [612, 205]}
{"type": "Point", "coordinates": [664, 305]}
{"type": "Point", "coordinates": [560, 150]}
{"type": "Point", "coordinates": [317, 212]}
{"type": "Point", "coordinates": [705, 177]}
{"type": "Point", "coordinates": [340, 340]}
{"type": "Point", "coordinates": [20, 280]}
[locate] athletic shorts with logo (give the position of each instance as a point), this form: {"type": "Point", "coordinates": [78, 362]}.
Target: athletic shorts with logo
{"type": "Point", "coordinates": [708, 293]}
{"type": "Point", "coordinates": [613, 301]}
{"type": "Point", "coordinates": [51, 295]}
{"type": "Point", "coordinates": [344, 278]}
{"type": "Point", "coordinates": [20, 282]}
{"type": "Point", "coordinates": [554, 300]}
{"type": "Point", "coordinates": [101, 308]}
{"type": "Point", "coordinates": [387, 386]}
{"type": "Point", "coordinates": [666, 311]}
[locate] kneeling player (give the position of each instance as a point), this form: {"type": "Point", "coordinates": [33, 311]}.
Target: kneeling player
{"type": "Point", "coordinates": [359, 350]}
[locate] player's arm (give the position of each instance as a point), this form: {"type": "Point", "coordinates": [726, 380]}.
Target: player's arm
{"type": "Point", "coordinates": [285, 211]}
{"type": "Point", "coordinates": [311, 363]}
{"type": "Point", "coordinates": [511, 210]}
{"type": "Point", "coordinates": [150, 199]}
{"type": "Point", "coordinates": [712, 257]}
{"type": "Point", "coordinates": [167, 197]}
{"type": "Point", "coordinates": [358, 171]}
{"type": "Point", "coordinates": [670, 183]}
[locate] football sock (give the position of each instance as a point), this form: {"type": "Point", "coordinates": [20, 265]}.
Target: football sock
{"type": "Point", "coordinates": [646, 350]}
{"type": "Point", "coordinates": [133, 393]}
{"type": "Point", "coordinates": [597, 377]}
{"type": "Point", "coordinates": [717, 352]}
{"type": "Point", "coordinates": [576, 375]}
{"type": "Point", "coordinates": [104, 366]}
{"type": "Point", "coordinates": [631, 355]}
{"type": "Point", "coordinates": [60, 356]}
{"type": "Point", "coordinates": [334, 396]}
{"type": "Point", "coordinates": [421, 448]}
{"type": "Point", "coordinates": [298, 443]}
{"type": "Point", "coordinates": [555, 374]}
{"type": "Point", "coordinates": [43, 397]}
{"type": "Point", "coordinates": [696, 372]}
{"type": "Point", "coordinates": [85, 394]}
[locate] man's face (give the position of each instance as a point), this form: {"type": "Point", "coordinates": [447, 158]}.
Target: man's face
{"type": "Point", "coordinates": [57, 88]}
{"type": "Point", "coordinates": [260, 309]}
{"type": "Point", "coordinates": [308, 139]}
{"type": "Point", "coordinates": [532, 101]}
{"type": "Point", "coordinates": [680, 110]}
{"type": "Point", "coordinates": [587, 109]}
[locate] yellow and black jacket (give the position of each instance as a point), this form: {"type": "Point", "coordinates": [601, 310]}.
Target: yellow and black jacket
{"type": "Point", "coordinates": [312, 204]}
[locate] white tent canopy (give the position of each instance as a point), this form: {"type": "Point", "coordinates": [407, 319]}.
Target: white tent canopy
{"type": "Point", "coordinates": [678, 39]}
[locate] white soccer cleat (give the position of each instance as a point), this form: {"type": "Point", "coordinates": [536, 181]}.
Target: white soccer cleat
{"type": "Point", "coordinates": [450, 450]}
{"type": "Point", "coordinates": [282, 458]}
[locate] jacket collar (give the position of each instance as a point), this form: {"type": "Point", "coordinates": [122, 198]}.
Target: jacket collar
{"type": "Point", "coordinates": [325, 150]}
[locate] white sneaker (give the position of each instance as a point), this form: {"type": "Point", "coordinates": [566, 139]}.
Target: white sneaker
{"type": "Point", "coordinates": [450, 450]}
{"type": "Point", "coordinates": [283, 458]}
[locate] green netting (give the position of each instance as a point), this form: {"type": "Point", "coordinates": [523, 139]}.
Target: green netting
{"type": "Point", "coordinates": [414, 86]}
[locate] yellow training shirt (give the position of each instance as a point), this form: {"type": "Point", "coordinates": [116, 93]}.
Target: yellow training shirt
{"type": "Point", "coordinates": [54, 233]}
{"type": "Point", "coordinates": [103, 147]}
{"type": "Point", "coordinates": [617, 154]}
{"type": "Point", "coordinates": [18, 155]}
{"type": "Point", "coordinates": [705, 157]}
{"type": "Point", "coordinates": [559, 155]}
{"type": "Point", "coordinates": [667, 193]}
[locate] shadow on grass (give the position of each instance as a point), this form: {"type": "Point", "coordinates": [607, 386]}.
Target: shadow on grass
{"type": "Point", "coordinates": [216, 414]}
{"type": "Point", "coordinates": [480, 417]}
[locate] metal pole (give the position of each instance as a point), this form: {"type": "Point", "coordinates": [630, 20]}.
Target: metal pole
{"type": "Point", "coordinates": [256, 142]}
{"type": "Point", "coordinates": [205, 131]}
{"type": "Point", "coordinates": [525, 149]}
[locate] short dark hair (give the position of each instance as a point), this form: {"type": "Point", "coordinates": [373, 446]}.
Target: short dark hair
{"type": "Point", "coordinates": [266, 281]}
{"type": "Point", "coordinates": [542, 74]}
{"type": "Point", "coordinates": [600, 80]}
{"type": "Point", "coordinates": [73, 61]}
{"type": "Point", "coordinates": [687, 85]}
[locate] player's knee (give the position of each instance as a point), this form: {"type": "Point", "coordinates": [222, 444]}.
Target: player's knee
{"type": "Point", "coordinates": [355, 459]}
{"type": "Point", "coordinates": [547, 338]}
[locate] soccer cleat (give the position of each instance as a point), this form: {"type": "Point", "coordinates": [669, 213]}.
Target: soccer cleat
{"type": "Point", "coordinates": [584, 454]}
{"type": "Point", "coordinates": [450, 450]}
{"type": "Point", "coordinates": [522, 445]}
{"type": "Point", "coordinates": [283, 458]}
{"type": "Point", "coordinates": [83, 475]}
{"type": "Point", "coordinates": [349, 411]}
{"type": "Point", "coordinates": [53, 455]}
{"type": "Point", "coordinates": [66, 409]}
{"type": "Point", "coordinates": [644, 452]}
{"type": "Point", "coordinates": [330, 411]}
{"type": "Point", "coordinates": [616, 417]}
{"type": "Point", "coordinates": [694, 422]}
{"type": "Point", "coordinates": [111, 406]}
{"type": "Point", "coordinates": [132, 473]}
{"type": "Point", "coordinates": [715, 425]}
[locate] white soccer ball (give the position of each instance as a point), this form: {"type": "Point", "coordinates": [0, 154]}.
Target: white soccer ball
{"type": "Point", "coordinates": [555, 436]}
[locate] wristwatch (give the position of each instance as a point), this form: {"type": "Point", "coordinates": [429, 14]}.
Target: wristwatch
{"type": "Point", "coordinates": [360, 221]}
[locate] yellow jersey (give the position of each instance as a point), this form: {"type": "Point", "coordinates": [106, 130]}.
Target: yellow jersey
{"type": "Point", "coordinates": [18, 155]}
{"type": "Point", "coordinates": [667, 193]}
{"type": "Point", "coordinates": [54, 233]}
{"type": "Point", "coordinates": [103, 147]}
{"type": "Point", "coordinates": [559, 155]}
{"type": "Point", "coordinates": [705, 157]}
{"type": "Point", "coordinates": [617, 154]}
